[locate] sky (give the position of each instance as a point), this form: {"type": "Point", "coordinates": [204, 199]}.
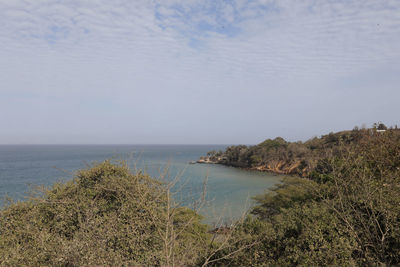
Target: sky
{"type": "Point", "coordinates": [195, 72]}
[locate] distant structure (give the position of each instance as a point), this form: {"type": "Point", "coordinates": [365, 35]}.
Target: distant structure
{"type": "Point", "coordinates": [380, 127]}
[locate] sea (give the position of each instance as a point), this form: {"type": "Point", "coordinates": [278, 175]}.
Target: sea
{"type": "Point", "coordinates": [220, 193]}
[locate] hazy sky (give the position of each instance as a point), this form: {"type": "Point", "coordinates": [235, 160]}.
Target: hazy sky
{"type": "Point", "coordinates": [210, 71]}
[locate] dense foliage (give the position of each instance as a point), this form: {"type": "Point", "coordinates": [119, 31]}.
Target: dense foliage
{"type": "Point", "coordinates": [105, 216]}
{"type": "Point", "coordinates": [346, 214]}
{"type": "Point", "coordinates": [295, 158]}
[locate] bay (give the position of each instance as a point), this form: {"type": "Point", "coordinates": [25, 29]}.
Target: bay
{"type": "Point", "coordinates": [229, 191]}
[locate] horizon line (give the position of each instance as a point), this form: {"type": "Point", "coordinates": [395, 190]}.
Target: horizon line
{"type": "Point", "coordinates": [110, 144]}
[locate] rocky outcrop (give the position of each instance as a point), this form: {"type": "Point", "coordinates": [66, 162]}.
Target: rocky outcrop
{"type": "Point", "coordinates": [206, 160]}
{"type": "Point", "coordinates": [212, 160]}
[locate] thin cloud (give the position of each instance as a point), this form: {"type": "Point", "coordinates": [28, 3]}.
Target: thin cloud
{"type": "Point", "coordinates": [203, 64]}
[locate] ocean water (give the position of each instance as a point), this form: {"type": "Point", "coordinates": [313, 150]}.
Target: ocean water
{"type": "Point", "coordinates": [229, 191]}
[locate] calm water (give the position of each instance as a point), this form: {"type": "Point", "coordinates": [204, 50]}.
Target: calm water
{"type": "Point", "coordinates": [229, 190]}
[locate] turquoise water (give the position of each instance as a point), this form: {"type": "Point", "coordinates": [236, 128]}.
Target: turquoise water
{"type": "Point", "coordinates": [228, 190]}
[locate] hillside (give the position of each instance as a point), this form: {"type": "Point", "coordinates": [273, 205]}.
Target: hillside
{"type": "Point", "coordinates": [293, 158]}
{"type": "Point", "coordinates": [346, 214]}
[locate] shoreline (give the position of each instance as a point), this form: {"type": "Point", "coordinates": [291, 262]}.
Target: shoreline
{"type": "Point", "coordinates": [267, 169]}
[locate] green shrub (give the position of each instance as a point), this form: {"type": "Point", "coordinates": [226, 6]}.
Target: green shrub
{"type": "Point", "coordinates": [105, 216]}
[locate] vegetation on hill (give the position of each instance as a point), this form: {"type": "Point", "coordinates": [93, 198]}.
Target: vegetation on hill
{"type": "Point", "coordinates": [346, 214]}
{"type": "Point", "coordinates": [294, 158]}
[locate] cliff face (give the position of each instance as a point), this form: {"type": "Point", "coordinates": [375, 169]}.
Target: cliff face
{"type": "Point", "coordinates": [283, 167]}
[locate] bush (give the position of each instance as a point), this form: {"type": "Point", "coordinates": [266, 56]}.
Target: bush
{"type": "Point", "coordinates": [105, 216]}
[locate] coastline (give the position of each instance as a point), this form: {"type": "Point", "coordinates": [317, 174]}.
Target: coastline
{"type": "Point", "coordinates": [277, 168]}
